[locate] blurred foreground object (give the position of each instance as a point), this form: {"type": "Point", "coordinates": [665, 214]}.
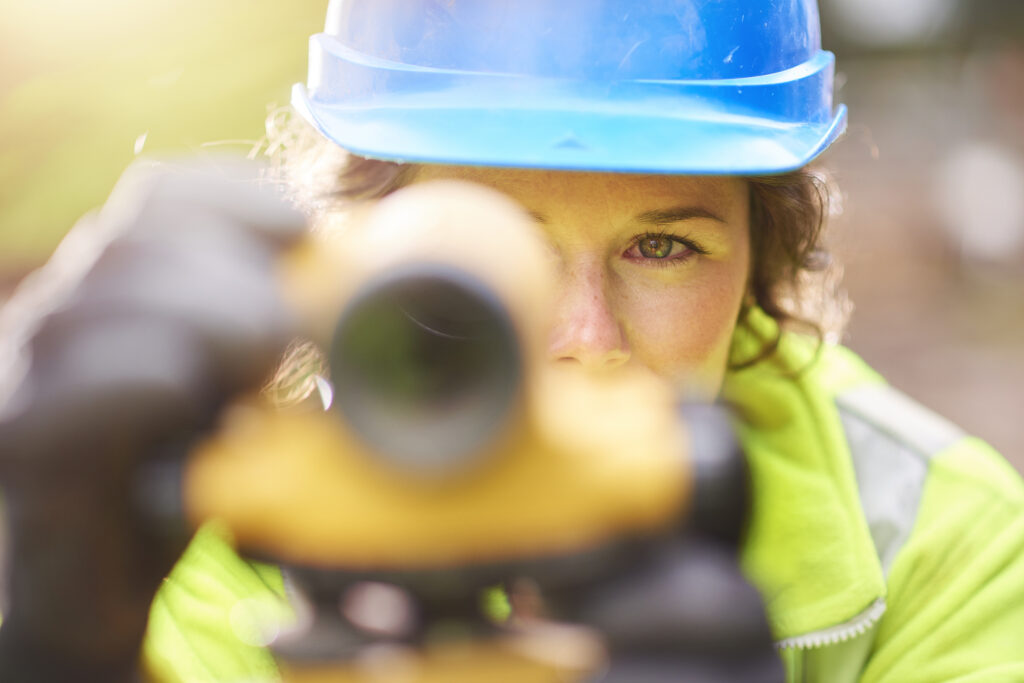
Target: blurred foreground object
{"type": "Point", "coordinates": [454, 457]}
{"type": "Point", "coordinates": [153, 313]}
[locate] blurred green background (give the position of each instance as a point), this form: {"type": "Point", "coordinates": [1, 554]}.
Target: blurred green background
{"type": "Point", "coordinates": [81, 83]}
{"type": "Point", "coordinates": [932, 167]}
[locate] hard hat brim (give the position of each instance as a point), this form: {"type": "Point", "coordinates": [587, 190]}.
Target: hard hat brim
{"type": "Point", "coordinates": [747, 126]}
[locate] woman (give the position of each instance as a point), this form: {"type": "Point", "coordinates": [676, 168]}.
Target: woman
{"type": "Point", "coordinates": [659, 149]}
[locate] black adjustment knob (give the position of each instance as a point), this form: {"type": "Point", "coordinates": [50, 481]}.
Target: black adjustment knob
{"type": "Point", "coordinates": [685, 614]}
{"type": "Point", "coordinates": [721, 501]}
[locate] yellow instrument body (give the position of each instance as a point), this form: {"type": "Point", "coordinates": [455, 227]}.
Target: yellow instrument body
{"type": "Point", "coordinates": [301, 487]}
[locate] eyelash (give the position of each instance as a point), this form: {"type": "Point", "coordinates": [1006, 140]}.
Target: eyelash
{"type": "Point", "coordinates": [695, 249]}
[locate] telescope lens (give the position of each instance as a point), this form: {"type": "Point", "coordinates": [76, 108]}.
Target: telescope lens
{"type": "Point", "coordinates": [426, 365]}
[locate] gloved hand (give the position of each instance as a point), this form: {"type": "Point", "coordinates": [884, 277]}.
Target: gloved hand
{"type": "Point", "coordinates": [154, 313]}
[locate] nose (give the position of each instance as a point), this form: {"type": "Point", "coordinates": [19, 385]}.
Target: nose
{"type": "Point", "coordinates": [587, 329]}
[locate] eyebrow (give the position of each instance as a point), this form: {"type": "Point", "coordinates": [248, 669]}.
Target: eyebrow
{"type": "Point", "coordinates": [657, 216]}
{"type": "Point", "coordinates": [673, 215]}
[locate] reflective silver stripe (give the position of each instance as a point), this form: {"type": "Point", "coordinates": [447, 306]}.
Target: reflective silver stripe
{"type": "Point", "coordinates": [891, 440]}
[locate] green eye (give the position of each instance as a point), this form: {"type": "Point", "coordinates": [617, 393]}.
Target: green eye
{"type": "Point", "coordinates": [655, 246]}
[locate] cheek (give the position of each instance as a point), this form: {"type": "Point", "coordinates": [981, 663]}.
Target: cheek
{"type": "Point", "coordinates": [682, 330]}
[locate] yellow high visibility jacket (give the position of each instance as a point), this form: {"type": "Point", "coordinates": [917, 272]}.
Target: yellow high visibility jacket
{"type": "Point", "coordinates": [888, 545]}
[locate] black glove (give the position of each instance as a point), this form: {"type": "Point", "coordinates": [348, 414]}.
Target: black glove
{"type": "Point", "coordinates": [177, 312]}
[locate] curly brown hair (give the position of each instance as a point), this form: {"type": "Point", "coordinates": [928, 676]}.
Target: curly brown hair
{"type": "Point", "coordinates": [793, 277]}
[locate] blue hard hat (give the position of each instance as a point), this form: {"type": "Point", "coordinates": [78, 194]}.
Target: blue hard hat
{"type": "Point", "coordinates": [652, 86]}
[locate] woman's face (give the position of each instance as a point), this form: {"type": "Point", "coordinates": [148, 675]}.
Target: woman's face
{"type": "Point", "coordinates": [653, 268]}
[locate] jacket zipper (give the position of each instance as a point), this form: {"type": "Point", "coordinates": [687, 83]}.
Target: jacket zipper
{"type": "Point", "coordinates": [839, 633]}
